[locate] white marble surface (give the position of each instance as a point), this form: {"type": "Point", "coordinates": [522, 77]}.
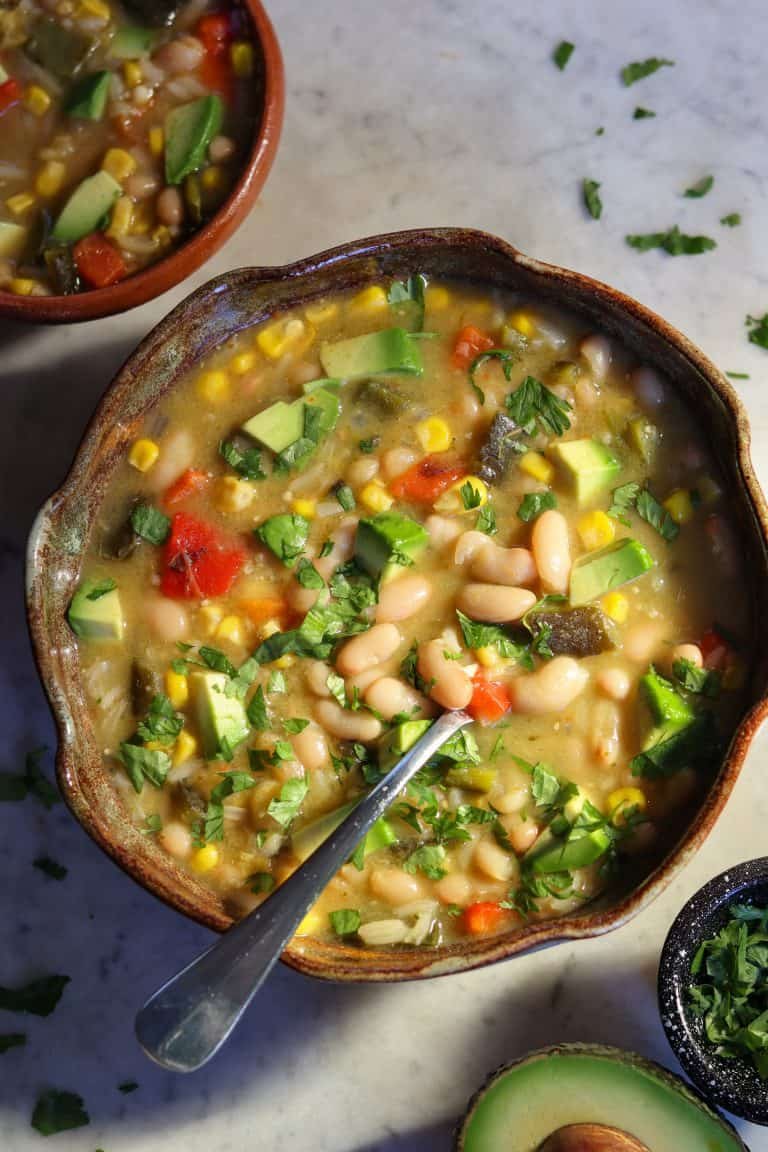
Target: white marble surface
{"type": "Point", "coordinates": [403, 113]}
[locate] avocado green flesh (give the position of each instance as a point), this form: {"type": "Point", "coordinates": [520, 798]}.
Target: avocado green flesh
{"type": "Point", "coordinates": [531, 1100]}
{"type": "Point", "coordinates": [13, 237]}
{"type": "Point", "coordinates": [188, 132]}
{"type": "Point", "coordinates": [391, 350]}
{"type": "Point", "coordinates": [399, 740]}
{"type": "Point", "coordinates": [555, 855]}
{"type": "Point", "coordinates": [221, 718]}
{"type": "Point", "coordinates": [88, 98]}
{"type": "Point", "coordinates": [131, 41]}
{"type": "Point", "coordinates": [281, 424]}
{"type": "Point", "coordinates": [599, 572]}
{"type": "Point", "coordinates": [100, 619]}
{"type": "Point", "coordinates": [666, 705]}
{"type": "Point", "coordinates": [643, 437]}
{"type": "Point", "coordinates": [309, 838]}
{"type": "Point", "coordinates": [590, 466]}
{"type": "Point", "coordinates": [380, 538]}
{"type": "Point", "coordinates": [86, 208]}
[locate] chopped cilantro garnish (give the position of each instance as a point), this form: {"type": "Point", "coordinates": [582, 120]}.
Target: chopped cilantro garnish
{"type": "Point", "coordinates": [642, 113]}
{"type": "Point", "coordinates": [732, 220]}
{"type": "Point", "coordinates": [534, 503]}
{"type": "Point", "coordinates": [592, 199]}
{"type": "Point", "coordinates": [700, 188]}
{"type": "Point", "coordinates": [101, 588]}
{"type": "Point", "coordinates": [153, 824]}
{"type": "Point", "coordinates": [533, 406]}
{"type": "Point", "coordinates": [308, 576]}
{"type": "Point", "coordinates": [429, 859]}
{"type": "Point", "coordinates": [261, 882]}
{"type": "Point", "coordinates": [563, 53]}
{"type": "Point", "coordinates": [699, 681]}
{"type": "Point", "coordinates": [285, 535]}
{"type": "Point", "coordinates": [256, 711]}
{"type": "Point", "coordinates": [50, 867]}
{"type": "Point", "coordinates": [632, 496]}
{"type": "Point", "coordinates": [144, 764]}
{"type": "Point", "coordinates": [150, 523]}
{"type": "Point", "coordinates": [337, 689]}
{"type": "Point", "coordinates": [276, 682]}
{"type": "Point", "coordinates": [162, 723]}
{"type": "Point", "coordinates": [231, 783]}
{"type": "Point", "coordinates": [639, 69]}
{"type": "Point", "coordinates": [57, 1111]}
{"type": "Point", "coordinates": [508, 360]}
{"type": "Point", "coordinates": [245, 461]}
{"type": "Point", "coordinates": [38, 998]}
{"type": "Point", "coordinates": [486, 521]}
{"type": "Point", "coordinates": [345, 921]}
{"type": "Point", "coordinates": [673, 241]}
{"type": "Point", "coordinates": [369, 445]}
{"type": "Point", "coordinates": [470, 496]}
{"type": "Point", "coordinates": [758, 326]}
{"type": "Point", "coordinates": [16, 786]}
{"type": "Point", "coordinates": [285, 807]}
{"type": "Point", "coordinates": [295, 724]}
{"type": "Point", "coordinates": [478, 635]}
{"type": "Point", "coordinates": [623, 499]}
{"type": "Point", "coordinates": [408, 296]}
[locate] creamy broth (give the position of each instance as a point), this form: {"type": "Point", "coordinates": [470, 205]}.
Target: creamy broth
{"type": "Point", "coordinates": [601, 681]}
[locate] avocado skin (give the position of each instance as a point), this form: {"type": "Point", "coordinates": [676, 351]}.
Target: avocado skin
{"type": "Point", "coordinates": [477, 1131]}
{"type": "Point", "coordinates": [599, 572]}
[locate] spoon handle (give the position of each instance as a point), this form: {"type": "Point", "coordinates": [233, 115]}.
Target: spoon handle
{"type": "Point", "coordinates": [187, 1020]}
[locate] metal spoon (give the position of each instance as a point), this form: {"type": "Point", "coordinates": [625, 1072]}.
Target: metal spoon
{"type": "Point", "coordinates": [187, 1020]}
{"type": "Point", "coordinates": [591, 1138]}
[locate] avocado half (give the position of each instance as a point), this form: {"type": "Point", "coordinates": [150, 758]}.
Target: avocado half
{"type": "Point", "coordinates": [525, 1102]}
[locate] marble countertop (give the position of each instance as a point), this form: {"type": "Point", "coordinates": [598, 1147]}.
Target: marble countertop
{"type": "Point", "coordinates": [399, 114]}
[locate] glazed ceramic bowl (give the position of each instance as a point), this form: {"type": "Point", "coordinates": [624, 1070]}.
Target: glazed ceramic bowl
{"type": "Point", "coordinates": [212, 314]}
{"type": "Point", "coordinates": [733, 1084]}
{"type": "Point", "coordinates": [202, 244]}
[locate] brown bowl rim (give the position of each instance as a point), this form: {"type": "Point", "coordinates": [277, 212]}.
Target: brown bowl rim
{"type": "Point", "coordinates": [158, 278]}
{"type": "Point", "coordinates": [338, 961]}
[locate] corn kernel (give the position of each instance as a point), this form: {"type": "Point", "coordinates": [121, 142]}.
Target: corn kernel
{"type": "Point", "coordinates": [241, 363]}
{"type": "Point", "coordinates": [615, 605]}
{"type": "Point", "coordinates": [286, 661]}
{"type": "Point", "coordinates": [623, 799]}
{"type": "Point", "coordinates": [375, 498]}
{"type": "Point", "coordinates": [205, 858]}
{"type": "Point", "coordinates": [523, 323]}
{"type": "Point", "coordinates": [156, 140]}
{"type": "Point", "coordinates": [118, 163]}
{"type": "Point", "coordinates": [142, 220]}
{"type": "Point", "coordinates": [184, 748]}
{"type": "Point", "coordinates": [212, 178]}
{"type": "Point", "coordinates": [370, 300]}
{"type": "Point", "coordinates": [455, 500]}
{"type": "Point", "coordinates": [21, 286]}
{"type": "Point", "coordinates": [488, 656]}
{"type": "Point", "coordinates": [210, 616]}
{"type": "Point", "coordinates": [537, 466]}
{"type": "Point", "coordinates": [122, 217]}
{"type": "Point", "coordinates": [97, 8]}
{"type": "Point", "coordinates": [20, 203]}
{"type": "Point", "coordinates": [132, 73]}
{"type": "Point", "coordinates": [50, 178]}
{"type": "Point", "coordinates": [304, 507]}
{"type": "Point", "coordinates": [321, 311]}
{"type": "Point", "coordinates": [437, 298]}
{"type": "Point", "coordinates": [241, 54]}
{"type": "Point", "coordinates": [269, 628]}
{"type": "Point", "coordinates": [143, 454]}
{"type": "Point", "coordinates": [231, 628]}
{"type": "Point", "coordinates": [312, 923]}
{"type": "Point", "coordinates": [231, 494]}
{"type": "Point", "coordinates": [278, 338]}
{"type": "Point", "coordinates": [37, 100]}
{"type": "Point", "coordinates": [680, 506]}
{"type": "Point", "coordinates": [596, 530]}
{"type": "Point", "coordinates": [434, 435]}
{"type": "Point", "coordinates": [176, 688]}
{"type": "Point", "coordinates": [213, 386]}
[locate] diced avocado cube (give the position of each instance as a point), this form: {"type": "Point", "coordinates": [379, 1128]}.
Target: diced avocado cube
{"type": "Point", "coordinates": [599, 572]}
{"type": "Point", "coordinates": [282, 424]}
{"type": "Point", "coordinates": [13, 238]}
{"type": "Point", "coordinates": [399, 740]}
{"type": "Point", "coordinates": [665, 703]}
{"type": "Point", "coordinates": [589, 466]}
{"type": "Point", "coordinates": [220, 718]}
{"type": "Point", "coordinates": [578, 850]}
{"type": "Point", "coordinates": [95, 614]}
{"type": "Point", "coordinates": [88, 98]}
{"type": "Point", "coordinates": [130, 41]}
{"type": "Point", "coordinates": [86, 208]}
{"type": "Point", "coordinates": [325, 382]}
{"type": "Point", "coordinates": [643, 437]}
{"type": "Point", "coordinates": [386, 542]}
{"type": "Point", "coordinates": [188, 131]}
{"type": "Point", "coordinates": [380, 836]}
{"type": "Point", "coordinates": [391, 350]}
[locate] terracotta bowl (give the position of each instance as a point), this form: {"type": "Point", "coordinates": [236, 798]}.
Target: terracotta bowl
{"type": "Point", "coordinates": [183, 261]}
{"type": "Point", "coordinates": [238, 299]}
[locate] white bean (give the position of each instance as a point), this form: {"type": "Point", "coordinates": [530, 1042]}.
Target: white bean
{"type": "Point", "coordinates": [552, 551]}
{"type": "Point", "coordinates": [393, 886]}
{"type": "Point", "coordinates": [522, 834]}
{"type": "Point", "coordinates": [170, 207]}
{"type": "Point", "coordinates": [642, 640]}
{"type": "Point", "coordinates": [379, 932]}
{"type": "Point", "coordinates": [359, 683]}
{"type": "Point", "coordinates": [493, 861]}
{"type": "Point", "coordinates": [177, 451]}
{"type": "Point", "coordinates": [311, 747]}
{"type": "Point", "coordinates": [511, 801]}
{"type": "Point", "coordinates": [141, 185]}
{"type": "Point", "coordinates": [497, 565]}
{"type": "Point", "coordinates": [316, 673]}
{"type": "Point", "coordinates": [391, 697]}
{"type": "Point", "coordinates": [346, 725]}
{"type": "Point", "coordinates": [288, 770]}
{"type": "Point", "coordinates": [442, 530]}
{"type": "Point", "coordinates": [402, 598]}
{"type": "Point", "coordinates": [597, 352]}
{"type": "Point", "coordinates": [368, 649]}
{"type": "Point", "coordinates": [604, 734]}
{"type": "Point", "coordinates": [167, 619]}
{"type": "Point", "coordinates": [495, 603]}
{"type": "Point", "coordinates": [176, 839]}
{"type": "Point", "coordinates": [181, 55]}
{"type": "Point", "coordinates": [649, 388]}
{"type": "Point", "coordinates": [469, 545]}
{"type": "Point", "coordinates": [449, 684]}
{"type": "Point", "coordinates": [454, 889]}
{"type": "Point", "coordinates": [221, 149]}
{"type": "Point", "coordinates": [614, 683]}
{"type": "Point", "coordinates": [396, 461]}
{"type": "Point", "coordinates": [362, 470]}
{"type": "Point", "coordinates": [343, 545]}
{"type": "Point", "coordinates": [550, 689]}
{"type": "Point", "coordinates": [690, 652]}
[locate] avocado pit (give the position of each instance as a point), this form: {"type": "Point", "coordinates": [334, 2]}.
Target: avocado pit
{"type": "Point", "coordinates": [591, 1138]}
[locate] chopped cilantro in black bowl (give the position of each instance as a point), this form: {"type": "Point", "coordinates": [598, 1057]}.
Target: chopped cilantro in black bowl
{"type": "Point", "coordinates": [721, 987]}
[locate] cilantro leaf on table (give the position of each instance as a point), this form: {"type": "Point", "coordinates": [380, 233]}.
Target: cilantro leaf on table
{"type": "Point", "coordinates": [38, 998]}
{"type": "Point", "coordinates": [10, 1040]}
{"type": "Point", "coordinates": [16, 786]}
{"type": "Point", "coordinates": [562, 54]}
{"type": "Point", "coordinates": [592, 200]}
{"type": "Point", "coordinates": [50, 867]}
{"type": "Point", "coordinates": [732, 220]}
{"type": "Point", "coordinates": [57, 1111]}
{"type": "Point", "coordinates": [700, 188]}
{"type": "Point", "coordinates": [643, 113]}
{"type": "Point", "coordinates": [639, 69]}
{"type": "Point", "coordinates": [673, 241]}
{"type": "Point", "coordinates": [758, 326]}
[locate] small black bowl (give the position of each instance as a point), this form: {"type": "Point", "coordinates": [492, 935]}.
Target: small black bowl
{"type": "Point", "coordinates": [733, 1084]}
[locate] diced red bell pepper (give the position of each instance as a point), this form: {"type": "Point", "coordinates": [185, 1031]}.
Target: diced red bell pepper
{"type": "Point", "coordinates": [470, 342]}
{"type": "Point", "coordinates": [98, 261]}
{"type": "Point", "coordinates": [424, 481]}
{"type": "Point", "coordinates": [10, 94]}
{"type": "Point", "coordinates": [197, 560]}
{"type": "Point", "coordinates": [482, 917]}
{"type": "Point", "coordinates": [215, 32]}
{"type": "Point", "coordinates": [714, 649]}
{"type": "Point", "coordinates": [490, 700]}
{"type": "Point", "coordinates": [187, 484]}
